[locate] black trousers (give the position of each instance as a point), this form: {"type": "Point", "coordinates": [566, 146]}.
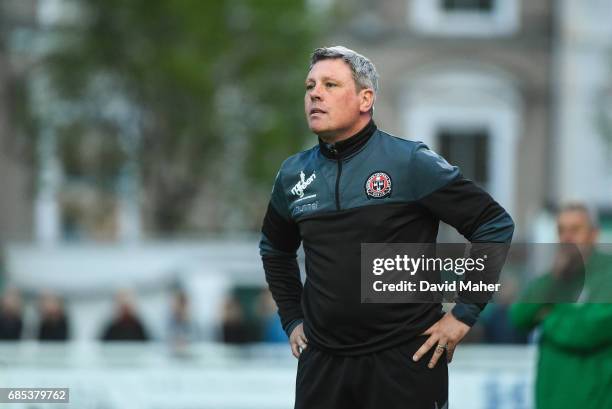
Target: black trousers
{"type": "Point", "coordinates": [388, 379]}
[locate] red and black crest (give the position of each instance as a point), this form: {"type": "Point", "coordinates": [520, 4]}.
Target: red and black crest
{"type": "Point", "coordinates": [378, 185]}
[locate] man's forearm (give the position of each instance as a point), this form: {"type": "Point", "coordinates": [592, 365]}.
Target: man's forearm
{"type": "Point", "coordinates": [486, 224]}
{"type": "Point", "coordinates": [283, 277]}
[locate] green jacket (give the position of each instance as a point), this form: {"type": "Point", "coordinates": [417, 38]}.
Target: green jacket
{"type": "Point", "coordinates": [575, 356]}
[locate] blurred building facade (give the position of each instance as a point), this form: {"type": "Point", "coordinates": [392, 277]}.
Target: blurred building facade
{"type": "Point", "coordinates": [511, 91]}
{"type": "Point", "coordinates": [17, 18]}
{"type": "Point", "coordinates": [583, 102]}
{"type": "Point", "coordinates": [507, 90]}
{"type": "Point", "coordinates": [472, 79]}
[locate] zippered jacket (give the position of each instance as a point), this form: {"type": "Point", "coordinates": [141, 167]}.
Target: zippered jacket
{"type": "Point", "coordinates": [370, 188]}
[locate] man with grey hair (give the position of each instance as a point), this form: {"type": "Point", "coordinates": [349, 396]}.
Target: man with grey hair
{"type": "Point", "coordinates": [362, 185]}
{"type": "Point", "coordinates": [575, 338]}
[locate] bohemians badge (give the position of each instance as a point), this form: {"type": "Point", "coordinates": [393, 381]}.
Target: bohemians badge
{"type": "Point", "coordinates": [378, 185]}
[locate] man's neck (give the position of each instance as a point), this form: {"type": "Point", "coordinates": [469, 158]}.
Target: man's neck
{"type": "Point", "coordinates": [342, 135]}
{"type": "Point", "coordinates": [348, 146]}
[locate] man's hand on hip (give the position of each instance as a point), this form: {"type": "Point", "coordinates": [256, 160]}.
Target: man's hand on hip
{"type": "Point", "coordinates": [443, 335]}
{"type": "Point", "coordinates": [298, 340]}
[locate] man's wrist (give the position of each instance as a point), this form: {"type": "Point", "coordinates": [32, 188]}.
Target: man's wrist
{"type": "Point", "coordinates": [291, 326]}
{"type": "Point", "coordinates": [466, 313]}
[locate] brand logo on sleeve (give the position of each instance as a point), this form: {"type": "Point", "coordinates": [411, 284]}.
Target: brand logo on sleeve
{"type": "Point", "coordinates": [299, 187]}
{"type": "Point", "coordinates": [378, 185]}
{"type": "Point", "coordinates": [308, 207]}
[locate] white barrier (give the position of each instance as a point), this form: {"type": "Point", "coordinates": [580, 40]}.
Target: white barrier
{"type": "Point", "coordinates": [214, 376]}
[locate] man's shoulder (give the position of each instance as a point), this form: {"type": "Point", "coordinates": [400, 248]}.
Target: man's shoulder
{"type": "Point", "coordinates": [300, 160]}
{"type": "Point", "coordinates": [599, 266]}
{"type": "Point", "coordinates": [419, 155]}
{"type": "Point", "coordinates": [399, 144]}
{"type": "Point", "coordinates": [602, 256]}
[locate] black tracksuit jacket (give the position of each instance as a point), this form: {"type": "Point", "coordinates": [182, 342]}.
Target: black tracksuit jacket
{"type": "Point", "coordinates": [370, 188]}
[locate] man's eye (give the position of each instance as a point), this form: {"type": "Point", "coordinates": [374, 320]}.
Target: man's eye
{"type": "Point", "coordinates": [309, 86]}
{"type": "Point", "coordinates": [330, 84]}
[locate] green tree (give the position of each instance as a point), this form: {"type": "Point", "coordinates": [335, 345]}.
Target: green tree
{"type": "Point", "coordinates": [201, 94]}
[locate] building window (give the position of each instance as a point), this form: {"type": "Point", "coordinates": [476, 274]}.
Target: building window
{"type": "Point", "coordinates": [468, 149]}
{"type": "Point", "coordinates": [473, 119]}
{"type": "Point", "coordinates": [468, 5]}
{"type": "Point", "coordinates": [468, 18]}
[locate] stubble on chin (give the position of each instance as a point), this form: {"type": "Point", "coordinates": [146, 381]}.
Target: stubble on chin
{"type": "Point", "coordinates": [317, 128]}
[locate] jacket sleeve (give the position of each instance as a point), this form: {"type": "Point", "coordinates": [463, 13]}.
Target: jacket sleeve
{"type": "Point", "coordinates": [531, 308]}
{"type": "Point", "coordinates": [280, 239]}
{"type": "Point", "coordinates": [526, 316]}
{"type": "Point", "coordinates": [579, 326]}
{"type": "Point", "coordinates": [459, 202]}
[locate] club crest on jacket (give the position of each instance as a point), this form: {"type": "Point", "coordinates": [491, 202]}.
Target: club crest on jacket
{"type": "Point", "coordinates": [378, 185]}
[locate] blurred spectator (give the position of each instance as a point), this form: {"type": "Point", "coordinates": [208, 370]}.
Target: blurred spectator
{"type": "Point", "coordinates": [11, 322]}
{"type": "Point", "coordinates": [53, 324]}
{"type": "Point", "coordinates": [182, 330]}
{"type": "Point", "coordinates": [272, 329]}
{"type": "Point", "coordinates": [575, 346]}
{"type": "Point", "coordinates": [498, 328]}
{"type": "Point", "coordinates": [235, 329]}
{"type": "Point", "coordinates": [125, 326]}
{"type": "Point", "coordinates": [2, 268]}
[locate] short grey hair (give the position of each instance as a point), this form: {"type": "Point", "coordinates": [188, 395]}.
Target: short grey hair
{"type": "Point", "coordinates": [364, 71]}
{"type": "Point", "coordinates": [590, 211]}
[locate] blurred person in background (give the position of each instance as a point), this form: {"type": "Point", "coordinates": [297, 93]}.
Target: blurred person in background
{"type": "Point", "coordinates": [234, 327]}
{"type": "Point", "coordinates": [53, 325]}
{"type": "Point", "coordinates": [2, 268]}
{"type": "Point", "coordinates": [495, 320]}
{"type": "Point", "coordinates": [362, 185]}
{"type": "Point", "coordinates": [125, 325]}
{"type": "Point", "coordinates": [272, 329]}
{"type": "Point", "coordinates": [181, 328]}
{"type": "Point", "coordinates": [575, 347]}
{"type": "Point", "coordinates": [11, 319]}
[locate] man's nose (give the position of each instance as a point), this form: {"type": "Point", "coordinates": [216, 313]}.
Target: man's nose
{"type": "Point", "coordinates": [315, 93]}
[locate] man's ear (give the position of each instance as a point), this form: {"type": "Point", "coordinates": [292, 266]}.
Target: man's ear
{"type": "Point", "coordinates": [595, 235]}
{"type": "Point", "coordinates": [366, 99]}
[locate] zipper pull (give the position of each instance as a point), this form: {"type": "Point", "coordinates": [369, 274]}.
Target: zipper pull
{"type": "Point", "coordinates": [333, 150]}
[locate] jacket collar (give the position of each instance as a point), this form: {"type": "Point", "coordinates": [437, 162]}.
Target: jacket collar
{"type": "Point", "coordinates": [349, 146]}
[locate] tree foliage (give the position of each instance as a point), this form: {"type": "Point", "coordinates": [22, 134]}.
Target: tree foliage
{"type": "Point", "coordinates": [212, 91]}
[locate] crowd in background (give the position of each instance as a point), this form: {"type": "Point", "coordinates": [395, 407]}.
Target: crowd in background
{"type": "Point", "coordinates": [237, 324]}
{"type": "Point", "coordinates": [53, 323]}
